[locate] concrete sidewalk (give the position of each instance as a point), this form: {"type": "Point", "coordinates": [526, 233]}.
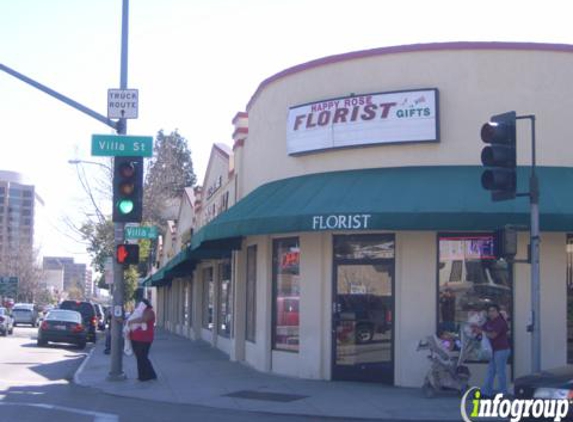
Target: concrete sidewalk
{"type": "Point", "coordinates": [193, 372]}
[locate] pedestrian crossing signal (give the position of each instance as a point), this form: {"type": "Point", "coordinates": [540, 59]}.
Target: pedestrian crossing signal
{"type": "Point", "coordinates": [127, 254]}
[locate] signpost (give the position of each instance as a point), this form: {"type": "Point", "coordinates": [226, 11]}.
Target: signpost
{"type": "Point", "coordinates": [122, 146]}
{"type": "Point", "coordinates": [122, 103]}
{"type": "Point", "coordinates": [140, 232]}
{"type": "Point", "coordinates": [9, 287]}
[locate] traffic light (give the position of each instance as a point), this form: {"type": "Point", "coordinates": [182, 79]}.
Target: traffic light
{"type": "Point", "coordinates": [127, 254]}
{"type": "Point", "coordinates": [127, 189]}
{"type": "Point", "coordinates": [500, 156]}
{"type": "Point", "coordinates": [505, 243]}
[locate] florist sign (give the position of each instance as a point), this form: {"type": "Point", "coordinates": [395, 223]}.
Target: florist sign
{"type": "Point", "coordinates": [393, 117]}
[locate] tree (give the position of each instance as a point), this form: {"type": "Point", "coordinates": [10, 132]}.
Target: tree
{"type": "Point", "coordinates": [169, 172]}
{"type": "Point", "coordinates": [23, 263]}
{"type": "Point", "coordinates": [99, 236]}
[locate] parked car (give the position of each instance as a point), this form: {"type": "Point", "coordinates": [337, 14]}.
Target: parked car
{"type": "Point", "coordinates": [6, 322]}
{"type": "Point", "coordinates": [100, 317]}
{"type": "Point", "coordinates": [62, 326]}
{"type": "Point", "coordinates": [25, 313]}
{"type": "Point", "coordinates": [89, 315]}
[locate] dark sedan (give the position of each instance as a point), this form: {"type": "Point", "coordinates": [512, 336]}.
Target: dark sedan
{"type": "Point", "coordinates": [62, 326]}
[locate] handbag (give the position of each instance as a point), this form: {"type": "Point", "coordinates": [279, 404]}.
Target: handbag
{"type": "Point", "coordinates": [485, 352]}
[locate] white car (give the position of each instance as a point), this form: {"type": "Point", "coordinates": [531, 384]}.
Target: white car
{"type": "Point", "coordinates": [6, 322]}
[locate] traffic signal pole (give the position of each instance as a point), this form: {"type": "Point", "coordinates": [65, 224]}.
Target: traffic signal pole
{"type": "Point", "coordinates": [116, 369]}
{"type": "Point", "coordinates": [535, 317]}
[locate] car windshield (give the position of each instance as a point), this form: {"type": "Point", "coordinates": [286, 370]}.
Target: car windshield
{"type": "Point", "coordinates": [61, 315]}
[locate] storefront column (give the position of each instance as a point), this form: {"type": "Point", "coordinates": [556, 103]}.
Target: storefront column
{"type": "Point", "coordinates": [416, 302]}
{"type": "Point", "coordinates": [216, 286]}
{"type": "Point", "coordinates": [239, 305]}
{"type": "Point", "coordinates": [197, 302]}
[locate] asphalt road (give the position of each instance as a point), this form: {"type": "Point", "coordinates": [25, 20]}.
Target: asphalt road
{"type": "Point", "coordinates": [36, 386]}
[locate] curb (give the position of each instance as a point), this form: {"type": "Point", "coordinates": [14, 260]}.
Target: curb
{"type": "Point", "coordinates": [79, 371]}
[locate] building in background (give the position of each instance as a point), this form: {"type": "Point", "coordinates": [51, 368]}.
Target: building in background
{"type": "Point", "coordinates": [75, 275]}
{"type": "Point", "coordinates": [19, 208]}
{"type": "Point", "coordinates": [53, 280]}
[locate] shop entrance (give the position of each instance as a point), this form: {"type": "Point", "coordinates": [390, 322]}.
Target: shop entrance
{"type": "Point", "coordinates": [363, 308]}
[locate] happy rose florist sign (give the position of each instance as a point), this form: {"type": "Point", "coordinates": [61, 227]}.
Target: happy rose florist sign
{"type": "Point", "coordinates": [393, 117]}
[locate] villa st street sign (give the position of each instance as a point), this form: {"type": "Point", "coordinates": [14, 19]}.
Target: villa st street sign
{"type": "Point", "coordinates": [140, 232]}
{"type": "Point", "coordinates": [122, 146]}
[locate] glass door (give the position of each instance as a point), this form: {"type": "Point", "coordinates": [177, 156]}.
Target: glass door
{"type": "Point", "coordinates": [363, 308]}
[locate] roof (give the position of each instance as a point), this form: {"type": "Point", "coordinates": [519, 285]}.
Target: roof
{"type": "Point", "coordinates": [412, 48]}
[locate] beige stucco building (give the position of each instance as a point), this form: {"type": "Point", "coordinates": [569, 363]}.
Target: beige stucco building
{"type": "Point", "coordinates": [349, 221]}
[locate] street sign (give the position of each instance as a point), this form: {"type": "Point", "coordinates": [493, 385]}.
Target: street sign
{"type": "Point", "coordinates": [140, 232]}
{"type": "Point", "coordinates": [122, 146]}
{"type": "Point", "coordinates": [9, 286]}
{"type": "Point", "coordinates": [122, 103]}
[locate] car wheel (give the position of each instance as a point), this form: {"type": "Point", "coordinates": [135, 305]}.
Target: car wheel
{"type": "Point", "coordinates": [4, 333]}
{"type": "Point", "coordinates": [42, 343]}
{"type": "Point", "coordinates": [11, 331]}
{"type": "Point", "coordinates": [82, 345]}
{"type": "Point", "coordinates": [15, 325]}
{"type": "Point", "coordinates": [364, 334]}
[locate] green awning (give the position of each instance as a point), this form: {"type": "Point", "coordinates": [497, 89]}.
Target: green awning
{"type": "Point", "coordinates": [405, 198]}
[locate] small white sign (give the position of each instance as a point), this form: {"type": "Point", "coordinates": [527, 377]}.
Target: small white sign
{"type": "Point", "coordinates": [117, 311]}
{"type": "Point", "coordinates": [367, 119]}
{"type": "Point", "coordinates": [108, 270]}
{"type": "Point", "coordinates": [122, 103]}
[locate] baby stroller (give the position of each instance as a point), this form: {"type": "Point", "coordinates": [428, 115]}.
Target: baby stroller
{"type": "Point", "coordinates": [447, 371]}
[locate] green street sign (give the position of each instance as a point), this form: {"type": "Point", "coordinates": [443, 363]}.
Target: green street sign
{"type": "Point", "coordinates": [9, 286]}
{"type": "Point", "coordinates": [122, 146]}
{"type": "Point", "coordinates": [141, 232]}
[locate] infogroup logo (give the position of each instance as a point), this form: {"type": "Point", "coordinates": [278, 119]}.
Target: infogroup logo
{"type": "Point", "coordinates": [516, 409]}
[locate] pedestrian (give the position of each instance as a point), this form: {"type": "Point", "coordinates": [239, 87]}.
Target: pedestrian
{"type": "Point", "coordinates": [496, 330]}
{"type": "Point", "coordinates": [142, 327]}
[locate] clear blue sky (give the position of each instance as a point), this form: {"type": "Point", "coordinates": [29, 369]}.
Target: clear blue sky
{"type": "Point", "coordinates": [196, 63]}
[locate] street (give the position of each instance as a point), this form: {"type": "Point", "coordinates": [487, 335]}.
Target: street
{"type": "Point", "coordinates": [36, 385]}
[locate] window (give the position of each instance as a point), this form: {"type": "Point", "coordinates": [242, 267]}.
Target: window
{"type": "Point", "coordinates": [27, 194]}
{"type": "Point", "coordinates": [569, 249]}
{"type": "Point", "coordinates": [208, 298]}
{"type": "Point", "coordinates": [470, 279]}
{"type": "Point", "coordinates": [225, 299]}
{"type": "Point", "coordinates": [286, 292]}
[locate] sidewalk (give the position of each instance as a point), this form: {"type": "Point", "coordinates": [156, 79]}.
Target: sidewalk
{"type": "Point", "coordinates": [193, 372]}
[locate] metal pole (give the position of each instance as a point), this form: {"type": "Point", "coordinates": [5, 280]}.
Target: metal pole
{"type": "Point", "coordinates": [535, 271]}
{"type": "Point", "coordinates": [116, 371]}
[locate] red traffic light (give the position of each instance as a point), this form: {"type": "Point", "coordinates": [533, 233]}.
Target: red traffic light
{"type": "Point", "coordinates": [127, 254]}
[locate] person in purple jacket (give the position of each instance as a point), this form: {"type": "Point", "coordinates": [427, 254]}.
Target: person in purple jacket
{"type": "Point", "coordinates": [496, 330]}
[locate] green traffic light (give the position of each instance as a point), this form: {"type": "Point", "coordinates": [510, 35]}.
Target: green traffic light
{"type": "Point", "coordinates": [125, 206]}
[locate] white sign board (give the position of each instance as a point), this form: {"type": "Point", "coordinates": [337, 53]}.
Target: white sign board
{"type": "Point", "coordinates": [108, 270]}
{"type": "Point", "coordinates": [367, 119]}
{"type": "Point", "coordinates": [122, 103]}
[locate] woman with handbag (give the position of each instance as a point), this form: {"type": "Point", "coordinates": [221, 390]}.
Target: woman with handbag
{"type": "Point", "coordinates": [496, 331]}
{"type": "Point", "coordinates": [141, 334]}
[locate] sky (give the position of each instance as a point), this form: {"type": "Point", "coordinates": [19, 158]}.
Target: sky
{"type": "Point", "coordinates": [196, 63]}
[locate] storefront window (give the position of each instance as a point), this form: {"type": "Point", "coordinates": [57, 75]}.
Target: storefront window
{"type": "Point", "coordinates": [470, 279]}
{"type": "Point", "coordinates": [286, 290]}
{"type": "Point", "coordinates": [569, 298]}
{"type": "Point", "coordinates": [208, 298]}
{"type": "Point", "coordinates": [225, 299]}
{"type": "Point", "coordinates": [251, 325]}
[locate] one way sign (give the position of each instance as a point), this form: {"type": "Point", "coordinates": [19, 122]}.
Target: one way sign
{"type": "Point", "coordinates": [122, 103]}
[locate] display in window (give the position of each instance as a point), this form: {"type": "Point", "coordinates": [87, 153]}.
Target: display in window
{"type": "Point", "coordinates": [470, 280]}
